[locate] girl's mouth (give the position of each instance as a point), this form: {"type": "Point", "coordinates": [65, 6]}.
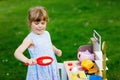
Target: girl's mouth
{"type": "Point", "coordinates": [40, 29]}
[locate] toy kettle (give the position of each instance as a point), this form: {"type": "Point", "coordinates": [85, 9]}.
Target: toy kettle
{"type": "Point", "coordinates": [85, 54]}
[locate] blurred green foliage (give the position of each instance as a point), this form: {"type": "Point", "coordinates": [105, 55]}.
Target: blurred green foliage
{"type": "Point", "coordinates": [71, 25]}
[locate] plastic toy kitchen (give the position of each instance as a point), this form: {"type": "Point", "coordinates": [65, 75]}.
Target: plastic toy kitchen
{"type": "Point", "coordinates": [90, 63]}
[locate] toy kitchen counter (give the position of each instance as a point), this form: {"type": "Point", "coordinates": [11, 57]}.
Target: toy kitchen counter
{"type": "Point", "coordinates": [70, 66]}
{"type": "Point", "coordinates": [76, 72]}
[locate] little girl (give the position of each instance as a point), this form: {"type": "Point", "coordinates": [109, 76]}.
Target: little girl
{"type": "Point", "coordinates": [38, 43]}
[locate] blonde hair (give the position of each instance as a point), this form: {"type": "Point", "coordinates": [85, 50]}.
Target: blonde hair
{"type": "Point", "coordinates": [37, 14]}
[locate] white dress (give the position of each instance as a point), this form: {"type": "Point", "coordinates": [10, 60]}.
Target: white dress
{"type": "Point", "coordinates": [42, 47]}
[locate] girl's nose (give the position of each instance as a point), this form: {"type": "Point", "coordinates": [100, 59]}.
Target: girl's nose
{"type": "Point", "coordinates": [39, 25]}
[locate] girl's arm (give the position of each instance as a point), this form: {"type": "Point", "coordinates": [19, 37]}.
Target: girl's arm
{"type": "Point", "coordinates": [20, 50]}
{"type": "Point", "coordinates": [57, 51]}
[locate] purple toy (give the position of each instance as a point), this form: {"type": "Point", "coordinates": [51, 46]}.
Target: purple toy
{"type": "Point", "coordinates": [85, 54]}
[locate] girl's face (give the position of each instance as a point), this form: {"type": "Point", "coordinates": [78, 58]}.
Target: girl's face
{"type": "Point", "coordinates": [38, 27]}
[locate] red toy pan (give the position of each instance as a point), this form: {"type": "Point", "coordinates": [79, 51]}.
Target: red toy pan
{"type": "Point", "coordinates": [43, 61]}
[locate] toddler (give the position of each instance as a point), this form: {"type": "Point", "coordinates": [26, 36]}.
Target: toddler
{"type": "Point", "coordinates": [38, 42]}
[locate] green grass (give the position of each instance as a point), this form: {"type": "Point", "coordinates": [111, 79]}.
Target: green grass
{"type": "Point", "coordinates": [71, 25]}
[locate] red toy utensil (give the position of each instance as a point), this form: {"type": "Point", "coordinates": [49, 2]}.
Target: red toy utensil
{"type": "Point", "coordinates": [43, 61]}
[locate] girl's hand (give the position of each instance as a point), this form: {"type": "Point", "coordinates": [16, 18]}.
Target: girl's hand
{"type": "Point", "coordinates": [31, 62]}
{"type": "Point", "coordinates": [59, 52]}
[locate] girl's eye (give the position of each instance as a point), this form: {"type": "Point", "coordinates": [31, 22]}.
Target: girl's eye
{"type": "Point", "coordinates": [42, 22]}
{"type": "Point", "coordinates": [36, 23]}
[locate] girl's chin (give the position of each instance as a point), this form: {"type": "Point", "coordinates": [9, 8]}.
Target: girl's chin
{"type": "Point", "coordinates": [40, 32]}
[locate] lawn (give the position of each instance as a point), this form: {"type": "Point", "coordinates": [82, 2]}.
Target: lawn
{"type": "Point", "coordinates": [71, 25]}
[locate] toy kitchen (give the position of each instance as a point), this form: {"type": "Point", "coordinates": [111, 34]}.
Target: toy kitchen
{"type": "Point", "coordinates": [90, 63]}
